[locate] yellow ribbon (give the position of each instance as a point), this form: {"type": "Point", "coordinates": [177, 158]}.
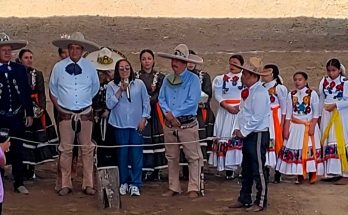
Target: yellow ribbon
{"type": "Point", "coordinates": [338, 129]}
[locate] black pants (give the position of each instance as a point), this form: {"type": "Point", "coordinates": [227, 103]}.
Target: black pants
{"type": "Point", "coordinates": [14, 156]}
{"type": "Point", "coordinates": [253, 168]}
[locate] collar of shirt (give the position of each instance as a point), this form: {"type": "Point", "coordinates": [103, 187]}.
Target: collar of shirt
{"type": "Point", "coordinates": [254, 86]}
{"type": "Point", "coordinates": [270, 84]}
{"type": "Point", "coordinates": [71, 61]}
{"type": "Point", "coordinates": [8, 63]}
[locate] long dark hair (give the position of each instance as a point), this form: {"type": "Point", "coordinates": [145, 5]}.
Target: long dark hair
{"type": "Point", "coordinates": [20, 55]}
{"type": "Point", "coordinates": [304, 75]}
{"type": "Point", "coordinates": [335, 63]}
{"type": "Point", "coordinates": [117, 78]}
{"type": "Point", "coordinates": [275, 72]}
{"type": "Point", "coordinates": [151, 53]}
{"type": "Point", "coordinates": [239, 58]}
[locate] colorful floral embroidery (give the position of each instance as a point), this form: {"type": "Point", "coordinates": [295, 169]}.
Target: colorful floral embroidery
{"type": "Point", "coordinates": [273, 93]}
{"type": "Point", "coordinates": [234, 81]}
{"type": "Point", "coordinates": [305, 106]}
{"type": "Point", "coordinates": [333, 88]}
{"type": "Point", "coordinates": [295, 155]}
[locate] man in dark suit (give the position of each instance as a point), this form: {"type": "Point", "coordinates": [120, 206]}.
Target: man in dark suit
{"type": "Point", "coordinates": [16, 108]}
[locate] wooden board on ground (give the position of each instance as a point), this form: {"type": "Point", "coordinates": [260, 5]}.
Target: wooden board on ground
{"type": "Point", "coordinates": [108, 185]}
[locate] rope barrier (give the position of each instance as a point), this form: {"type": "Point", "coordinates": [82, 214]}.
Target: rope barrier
{"type": "Point", "coordinates": [121, 146]}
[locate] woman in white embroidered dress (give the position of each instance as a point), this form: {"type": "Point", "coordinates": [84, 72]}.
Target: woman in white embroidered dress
{"type": "Point", "coordinates": [334, 105]}
{"type": "Point", "coordinates": [301, 154]}
{"type": "Point", "coordinates": [227, 154]}
{"type": "Point", "coordinates": [277, 94]}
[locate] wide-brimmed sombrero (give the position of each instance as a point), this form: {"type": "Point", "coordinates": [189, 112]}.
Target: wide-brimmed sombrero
{"type": "Point", "coordinates": [5, 40]}
{"type": "Point", "coordinates": [76, 38]}
{"type": "Point", "coordinates": [254, 65]}
{"type": "Point", "coordinates": [105, 58]}
{"type": "Point", "coordinates": [181, 52]}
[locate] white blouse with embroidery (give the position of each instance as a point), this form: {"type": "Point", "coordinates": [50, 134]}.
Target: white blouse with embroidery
{"type": "Point", "coordinates": [302, 104]}
{"type": "Point", "coordinates": [334, 91]}
{"type": "Point", "coordinates": [278, 94]}
{"type": "Point", "coordinates": [227, 86]}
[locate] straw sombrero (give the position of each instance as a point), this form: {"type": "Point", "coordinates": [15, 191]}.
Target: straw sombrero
{"type": "Point", "coordinates": [76, 38]}
{"type": "Point", "coordinates": [15, 44]}
{"type": "Point", "coordinates": [254, 65]}
{"type": "Point", "coordinates": [104, 59]}
{"type": "Point", "coordinates": [181, 52]}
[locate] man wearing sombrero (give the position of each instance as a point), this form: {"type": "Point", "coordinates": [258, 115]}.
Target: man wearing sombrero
{"type": "Point", "coordinates": [73, 84]}
{"type": "Point", "coordinates": [252, 125]}
{"type": "Point", "coordinates": [179, 97]}
{"type": "Point", "coordinates": [15, 104]}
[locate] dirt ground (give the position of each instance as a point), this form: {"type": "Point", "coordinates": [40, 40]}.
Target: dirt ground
{"type": "Point", "coordinates": [293, 43]}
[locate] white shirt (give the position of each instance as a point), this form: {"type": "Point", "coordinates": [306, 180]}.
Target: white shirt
{"type": "Point", "coordinates": [255, 111]}
{"type": "Point", "coordinates": [74, 92]}
{"type": "Point", "coordinates": [298, 106]}
{"type": "Point", "coordinates": [232, 89]}
{"type": "Point", "coordinates": [280, 95]}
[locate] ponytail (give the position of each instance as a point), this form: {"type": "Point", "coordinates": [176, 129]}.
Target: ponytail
{"type": "Point", "coordinates": [275, 73]}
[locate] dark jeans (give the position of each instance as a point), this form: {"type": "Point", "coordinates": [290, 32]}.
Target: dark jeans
{"type": "Point", "coordinates": [131, 155]}
{"type": "Point", "coordinates": [14, 156]}
{"type": "Point", "coordinates": [253, 168]}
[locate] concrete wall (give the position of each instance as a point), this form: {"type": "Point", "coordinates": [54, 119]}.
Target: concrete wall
{"type": "Point", "coordinates": [177, 8]}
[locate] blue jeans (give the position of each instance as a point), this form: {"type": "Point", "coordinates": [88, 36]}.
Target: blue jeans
{"type": "Point", "coordinates": [130, 155]}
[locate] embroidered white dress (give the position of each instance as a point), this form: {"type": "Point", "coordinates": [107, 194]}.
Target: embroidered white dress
{"type": "Point", "coordinates": [227, 153]}
{"type": "Point", "coordinates": [278, 94]}
{"type": "Point", "coordinates": [333, 91]}
{"type": "Point", "coordinates": [302, 107]}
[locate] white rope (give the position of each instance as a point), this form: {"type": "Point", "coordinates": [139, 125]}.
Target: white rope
{"type": "Point", "coordinates": [139, 145]}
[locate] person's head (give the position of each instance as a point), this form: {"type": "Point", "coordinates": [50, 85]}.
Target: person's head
{"type": "Point", "coordinates": [25, 57]}
{"type": "Point", "coordinates": [178, 66]}
{"type": "Point", "coordinates": [236, 59]}
{"type": "Point", "coordinates": [123, 71]}
{"type": "Point", "coordinates": [147, 60]}
{"type": "Point", "coordinates": [333, 68]}
{"type": "Point", "coordinates": [249, 78]}
{"type": "Point", "coordinates": [105, 76]}
{"type": "Point", "coordinates": [191, 66]}
{"type": "Point", "coordinates": [273, 76]}
{"type": "Point", "coordinates": [63, 53]}
{"type": "Point", "coordinates": [300, 80]}
{"type": "Point", "coordinates": [75, 52]}
{"type": "Point", "coordinates": [5, 53]}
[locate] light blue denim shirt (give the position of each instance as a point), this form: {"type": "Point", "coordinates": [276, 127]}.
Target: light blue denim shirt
{"type": "Point", "coordinates": [126, 114]}
{"type": "Point", "coordinates": [183, 99]}
{"type": "Point", "coordinates": [74, 92]}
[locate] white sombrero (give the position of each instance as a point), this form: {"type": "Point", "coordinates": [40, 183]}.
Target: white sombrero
{"type": "Point", "coordinates": [15, 44]}
{"type": "Point", "coordinates": [104, 59]}
{"type": "Point", "coordinates": [254, 65]}
{"type": "Point", "coordinates": [76, 38]}
{"type": "Point", "coordinates": [181, 52]}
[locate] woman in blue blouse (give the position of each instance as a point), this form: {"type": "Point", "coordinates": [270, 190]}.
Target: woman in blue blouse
{"type": "Point", "coordinates": [129, 102]}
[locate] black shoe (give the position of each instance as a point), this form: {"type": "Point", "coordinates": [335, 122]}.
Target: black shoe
{"type": "Point", "coordinates": [230, 175]}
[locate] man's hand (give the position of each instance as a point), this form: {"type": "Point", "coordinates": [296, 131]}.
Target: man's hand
{"type": "Point", "coordinates": [28, 121]}
{"type": "Point", "coordinates": [169, 116]}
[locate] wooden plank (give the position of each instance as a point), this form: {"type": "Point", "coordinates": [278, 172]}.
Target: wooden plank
{"type": "Point", "coordinates": [108, 188]}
